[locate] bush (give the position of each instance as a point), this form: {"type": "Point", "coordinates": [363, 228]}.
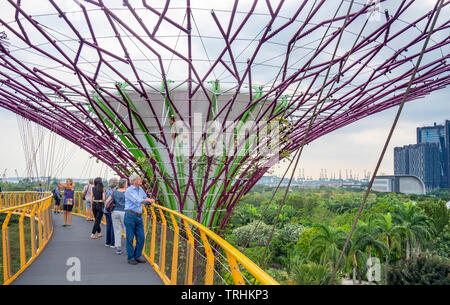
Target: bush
{"type": "Point", "coordinates": [271, 213]}
{"type": "Point", "coordinates": [284, 242]}
{"type": "Point", "coordinates": [253, 199]}
{"type": "Point", "coordinates": [303, 245]}
{"type": "Point", "coordinates": [436, 211]}
{"type": "Point", "coordinates": [441, 244]}
{"type": "Point", "coordinates": [312, 274]}
{"type": "Point", "coordinates": [256, 253]}
{"type": "Point", "coordinates": [243, 214]}
{"type": "Point", "coordinates": [278, 275]}
{"type": "Point", "coordinates": [291, 232]}
{"type": "Point", "coordinates": [422, 270]}
{"type": "Point", "coordinates": [260, 237]}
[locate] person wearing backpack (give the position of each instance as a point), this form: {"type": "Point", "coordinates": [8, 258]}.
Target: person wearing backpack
{"type": "Point", "coordinates": [112, 183]}
{"type": "Point", "coordinates": [117, 206]}
{"type": "Point", "coordinates": [88, 197]}
{"type": "Point", "coordinates": [57, 196]}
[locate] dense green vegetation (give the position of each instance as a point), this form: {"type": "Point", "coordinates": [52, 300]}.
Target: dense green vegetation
{"type": "Point", "coordinates": [14, 244]}
{"type": "Point", "coordinates": [402, 231]}
{"type": "Point", "coordinates": [27, 185]}
{"type": "Point", "coordinates": [409, 234]}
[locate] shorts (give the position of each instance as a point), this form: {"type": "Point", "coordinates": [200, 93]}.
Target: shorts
{"type": "Point", "coordinates": [88, 205]}
{"type": "Point", "coordinates": [57, 201]}
{"type": "Point", "coordinates": [67, 207]}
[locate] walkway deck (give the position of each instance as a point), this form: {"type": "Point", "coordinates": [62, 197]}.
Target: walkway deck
{"type": "Point", "coordinates": [99, 264]}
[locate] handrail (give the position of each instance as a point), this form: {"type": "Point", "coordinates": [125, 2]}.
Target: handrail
{"type": "Point", "coordinates": [12, 203]}
{"type": "Point", "coordinates": [232, 253]}
{"type": "Point", "coordinates": [171, 265]}
{"type": "Point", "coordinates": [197, 261]}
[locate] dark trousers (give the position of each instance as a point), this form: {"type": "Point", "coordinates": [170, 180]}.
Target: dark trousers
{"type": "Point", "coordinates": [97, 210]}
{"type": "Point", "coordinates": [109, 230]}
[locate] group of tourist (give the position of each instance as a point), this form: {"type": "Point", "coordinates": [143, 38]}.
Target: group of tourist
{"type": "Point", "coordinates": [121, 203]}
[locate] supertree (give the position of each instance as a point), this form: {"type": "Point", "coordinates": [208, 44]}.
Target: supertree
{"type": "Point", "coordinates": [203, 98]}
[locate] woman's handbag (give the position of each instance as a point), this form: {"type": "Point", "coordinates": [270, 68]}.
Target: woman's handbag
{"type": "Point", "coordinates": [110, 204]}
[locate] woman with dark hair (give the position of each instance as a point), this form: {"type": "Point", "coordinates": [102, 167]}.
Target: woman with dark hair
{"type": "Point", "coordinates": [97, 206]}
{"type": "Point", "coordinates": [113, 182]}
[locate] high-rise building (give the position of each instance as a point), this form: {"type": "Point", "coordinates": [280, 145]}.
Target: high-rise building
{"type": "Point", "coordinates": [439, 134]}
{"type": "Point", "coordinates": [447, 151]}
{"type": "Point", "coordinates": [420, 160]}
{"type": "Point", "coordinates": [401, 161]}
{"type": "Point", "coordinates": [429, 159]}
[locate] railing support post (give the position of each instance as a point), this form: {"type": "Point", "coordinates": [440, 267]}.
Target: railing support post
{"type": "Point", "coordinates": [190, 254]}
{"type": "Point", "coordinates": [22, 239]}
{"type": "Point", "coordinates": [209, 272]}
{"type": "Point", "coordinates": [173, 277]}
{"type": "Point", "coordinates": [5, 243]}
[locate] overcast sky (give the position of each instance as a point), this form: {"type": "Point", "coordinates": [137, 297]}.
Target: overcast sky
{"type": "Point", "coordinates": [355, 147]}
{"type": "Point", "coordinates": [359, 145]}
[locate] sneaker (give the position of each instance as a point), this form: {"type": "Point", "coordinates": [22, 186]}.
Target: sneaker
{"type": "Point", "coordinates": [118, 251]}
{"type": "Point", "coordinates": [132, 262]}
{"type": "Point", "coordinates": [140, 260]}
{"type": "Point", "coordinates": [106, 245]}
{"type": "Point", "coordinates": [112, 247]}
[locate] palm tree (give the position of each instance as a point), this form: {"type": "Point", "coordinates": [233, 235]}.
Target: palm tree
{"type": "Point", "coordinates": [390, 233]}
{"type": "Point", "coordinates": [355, 259]}
{"type": "Point", "coordinates": [327, 244]}
{"type": "Point", "coordinates": [416, 226]}
{"type": "Point", "coordinates": [365, 239]}
{"type": "Point", "coordinates": [312, 274]}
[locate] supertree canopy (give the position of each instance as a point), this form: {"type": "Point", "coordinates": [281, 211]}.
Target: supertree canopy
{"type": "Point", "coordinates": [202, 97]}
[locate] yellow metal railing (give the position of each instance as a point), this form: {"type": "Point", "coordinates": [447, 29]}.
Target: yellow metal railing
{"type": "Point", "coordinates": [22, 244]}
{"type": "Point", "coordinates": [181, 250]}
{"type": "Point", "coordinates": [184, 252]}
{"type": "Point", "coordinates": [197, 254]}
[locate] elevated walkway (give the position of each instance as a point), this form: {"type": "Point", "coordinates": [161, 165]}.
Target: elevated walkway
{"type": "Point", "coordinates": [36, 249]}
{"type": "Point", "coordinates": [98, 264]}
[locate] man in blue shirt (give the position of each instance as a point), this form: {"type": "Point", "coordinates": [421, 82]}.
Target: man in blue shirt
{"type": "Point", "coordinates": [135, 197]}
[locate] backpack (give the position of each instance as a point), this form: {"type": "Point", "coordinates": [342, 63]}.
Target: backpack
{"type": "Point", "coordinates": [54, 193]}
{"type": "Point", "coordinates": [83, 196]}
{"type": "Point", "coordinates": [109, 206]}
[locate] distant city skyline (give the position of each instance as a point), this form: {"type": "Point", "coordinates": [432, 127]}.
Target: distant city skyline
{"type": "Point", "coordinates": [355, 147]}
